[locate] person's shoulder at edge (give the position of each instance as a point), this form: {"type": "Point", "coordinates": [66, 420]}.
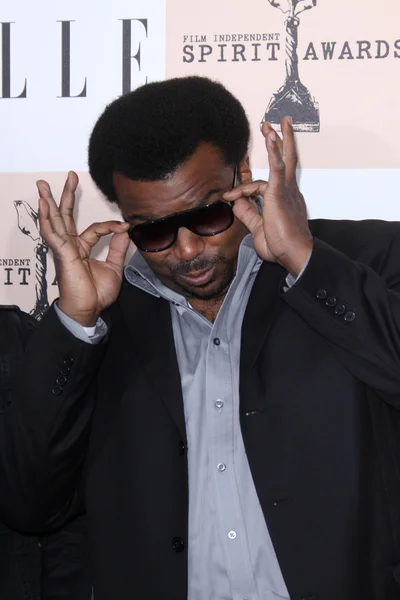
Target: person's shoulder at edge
{"type": "Point", "coordinates": [367, 241]}
{"type": "Point", "coordinates": [25, 318]}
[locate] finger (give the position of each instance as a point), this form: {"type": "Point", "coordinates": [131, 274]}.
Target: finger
{"type": "Point", "coordinates": [267, 129]}
{"type": "Point", "coordinates": [246, 189]}
{"type": "Point", "coordinates": [248, 215]}
{"type": "Point", "coordinates": [67, 202]}
{"type": "Point", "coordinates": [45, 226]}
{"type": "Point", "coordinates": [117, 251]}
{"type": "Point", "coordinates": [44, 190]}
{"type": "Point", "coordinates": [290, 156]}
{"type": "Point", "coordinates": [55, 216]}
{"type": "Point", "coordinates": [50, 235]}
{"type": "Point", "coordinates": [276, 181]}
{"type": "Point", "coordinates": [96, 231]}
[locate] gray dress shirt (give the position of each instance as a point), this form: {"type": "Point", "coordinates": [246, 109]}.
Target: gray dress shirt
{"type": "Point", "coordinates": [230, 553]}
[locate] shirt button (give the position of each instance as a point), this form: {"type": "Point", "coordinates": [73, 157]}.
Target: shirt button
{"type": "Point", "coordinates": [219, 404]}
{"type": "Point", "coordinates": [216, 341]}
{"type": "Point", "coordinates": [221, 467]}
{"type": "Point", "coordinates": [232, 535]}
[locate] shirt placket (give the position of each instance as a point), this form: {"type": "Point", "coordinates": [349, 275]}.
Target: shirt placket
{"type": "Point", "coordinates": [220, 420]}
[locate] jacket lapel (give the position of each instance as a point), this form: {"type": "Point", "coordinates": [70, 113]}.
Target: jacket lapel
{"type": "Point", "coordinates": [149, 321]}
{"type": "Point", "coordinates": [261, 310]}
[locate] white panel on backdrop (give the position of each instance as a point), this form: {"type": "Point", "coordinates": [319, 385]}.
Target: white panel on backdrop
{"type": "Point", "coordinates": [348, 193]}
{"type": "Point", "coordinates": [74, 57]}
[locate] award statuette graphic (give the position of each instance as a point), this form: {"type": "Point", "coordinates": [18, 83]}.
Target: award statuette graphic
{"type": "Point", "coordinates": [27, 223]}
{"type": "Point", "coordinates": [293, 98]}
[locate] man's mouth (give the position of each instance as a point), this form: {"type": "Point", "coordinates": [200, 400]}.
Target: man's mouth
{"type": "Point", "coordinates": [199, 278]}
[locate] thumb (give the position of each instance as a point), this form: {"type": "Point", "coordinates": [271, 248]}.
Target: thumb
{"type": "Point", "coordinates": [248, 214]}
{"type": "Point", "coordinates": [117, 250]}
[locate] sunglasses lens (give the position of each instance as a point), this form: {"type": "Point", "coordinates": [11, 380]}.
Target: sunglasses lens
{"type": "Point", "coordinates": [154, 237]}
{"type": "Point", "coordinates": [212, 220]}
{"type": "Point", "coordinates": [157, 236]}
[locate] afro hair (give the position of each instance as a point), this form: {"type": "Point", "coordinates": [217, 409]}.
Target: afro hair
{"type": "Point", "coordinates": [146, 134]}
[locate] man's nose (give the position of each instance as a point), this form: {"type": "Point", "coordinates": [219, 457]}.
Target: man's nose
{"type": "Point", "coordinates": [188, 245]}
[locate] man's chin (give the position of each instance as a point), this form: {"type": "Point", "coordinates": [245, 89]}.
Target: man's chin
{"type": "Point", "coordinates": [206, 294]}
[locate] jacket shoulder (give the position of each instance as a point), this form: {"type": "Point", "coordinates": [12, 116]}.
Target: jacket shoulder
{"type": "Point", "coordinates": [348, 231]}
{"type": "Point", "coordinates": [12, 313]}
{"type": "Point", "coordinates": [13, 307]}
{"type": "Point", "coordinates": [368, 241]}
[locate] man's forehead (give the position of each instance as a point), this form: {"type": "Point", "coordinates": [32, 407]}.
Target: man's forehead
{"type": "Point", "coordinates": [148, 200]}
{"type": "Point", "coordinates": [153, 216]}
{"type": "Point", "coordinates": [206, 163]}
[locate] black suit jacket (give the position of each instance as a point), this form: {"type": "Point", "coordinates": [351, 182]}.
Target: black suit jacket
{"type": "Point", "coordinates": [40, 567]}
{"type": "Point", "coordinates": [319, 413]}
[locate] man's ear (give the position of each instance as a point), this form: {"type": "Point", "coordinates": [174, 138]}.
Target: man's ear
{"type": "Point", "coordinates": [245, 174]}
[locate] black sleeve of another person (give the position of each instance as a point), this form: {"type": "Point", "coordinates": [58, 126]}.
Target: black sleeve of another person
{"type": "Point", "coordinates": [34, 566]}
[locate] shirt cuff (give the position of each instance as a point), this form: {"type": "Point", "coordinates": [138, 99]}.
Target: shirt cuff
{"type": "Point", "coordinates": [291, 280]}
{"type": "Point", "coordinates": [90, 335]}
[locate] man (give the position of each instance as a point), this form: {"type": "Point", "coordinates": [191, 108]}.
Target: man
{"type": "Point", "coordinates": [229, 407]}
{"type": "Point", "coordinates": [51, 567]}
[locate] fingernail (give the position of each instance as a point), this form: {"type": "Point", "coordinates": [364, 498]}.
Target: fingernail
{"type": "Point", "coordinates": [272, 136]}
{"type": "Point", "coordinates": [290, 120]}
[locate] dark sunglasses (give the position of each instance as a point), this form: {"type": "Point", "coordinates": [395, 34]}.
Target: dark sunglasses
{"type": "Point", "coordinates": [161, 234]}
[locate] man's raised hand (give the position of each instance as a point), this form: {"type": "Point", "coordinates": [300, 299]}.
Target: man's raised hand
{"type": "Point", "coordinates": [281, 234]}
{"type": "Point", "coordinates": [87, 286]}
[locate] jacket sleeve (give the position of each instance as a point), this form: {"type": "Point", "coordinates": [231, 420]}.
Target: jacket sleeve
{"type": "Point", "coordinates": [45, 429]}
{"type": "Point", "coordinates": [356, 308]}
